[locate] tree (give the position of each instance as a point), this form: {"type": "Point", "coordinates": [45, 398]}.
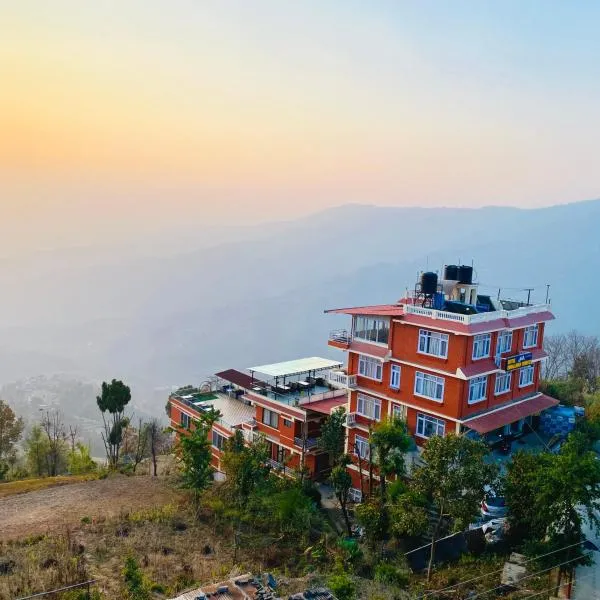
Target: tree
{"type": "Point", "coordinates": [56, 452]}
{"type": "Point", "coordinates": [453, 478]}
{"type": "Point", "coordinates": [114, 398]}
{"type": "Point", "coordinates": [342, 483]}
{"type": "Point", "coordinates": [158, 441]}
{"type": "Point", "coordinates": [11, 430]}
{"type": "Point", "coordinates": [195, 455]}
{"type": "Point", "coordinates": [371, 516]}
{"type": "Point", "coordinates": [80, 460]}
{"type": "Point", "coordinates": [390, 440]}
{"type": "Point", "coordinates": [36, 445]}
{"type": "Point", "coordinates": [333, 434]}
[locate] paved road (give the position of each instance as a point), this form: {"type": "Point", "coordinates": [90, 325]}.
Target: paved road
{"type": "Point", "coordinates": [587, 579]}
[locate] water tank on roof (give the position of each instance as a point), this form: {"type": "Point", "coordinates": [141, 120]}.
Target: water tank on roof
{"type": "Point", "coordinates": [429, 283]}
{"type": "Point", "coordinates": [465, 274]}
{"type": "Point", "coordinates": [451, 272]}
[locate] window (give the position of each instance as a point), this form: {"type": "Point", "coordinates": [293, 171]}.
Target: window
{"type": "Point", "coordinates": [370, 367]}
{"type": "Point", "coordinates": [395, 377]}
{"type": "Point", "coordinates": [185, 420]}
{"type": "Point", "coordinates": [368, 407]}
{"type": "Point", "coordinates": [399, 412]}
{"type": "Point", "coordinates": [503, 381]}
{"type": "Point", "coordinates": [372, 330]}
{"type": "Point", "coordinates": [361, 447]}
{"type": "Point", "coordinates": [477, 389]}
{"type": "Point", "coordinates": [287, 423]}
{"type": "Point", "coordinates": [270, 418]}
{"type": "Point", "coordinates": [504, 342]}
{"type": "Point", "coordinates": [429, 426]}
{"type": "Point", "coordinates": [429, 386]}
{"type": "Point", "coordinates": [218, 440]}
{"type": "Point", "coordinates": [481, 345]}
{"type": "Point", "coordinates": [530, 336]}
{"type": "Point", "coordinates": [526, 376]}
{"type": "Point", "coordinates": [433, 343]}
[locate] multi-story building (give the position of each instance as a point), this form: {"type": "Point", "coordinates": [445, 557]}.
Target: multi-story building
{"type": "Point", "coordinates": [284, 402]}
{"type": "Point", "coordinates": [446, 359]}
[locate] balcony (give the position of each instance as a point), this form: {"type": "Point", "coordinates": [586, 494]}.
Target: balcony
{"type": "Point", "coordinates": [340, 338]}
{"type": "Point", "coordinates": [309, 443]}
{"type": "Point", "coordinates": [350, 419]}
{"type": "Point", "coordinates": [341, 379]}
{"type": "Point", "coordinates": [281, 468]}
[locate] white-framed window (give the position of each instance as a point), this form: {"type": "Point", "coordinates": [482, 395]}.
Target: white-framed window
{"type": "Point", "coordinates": [218, 440]}
{"type": "Point", "coordinates": [503, 381]}
{"type": "Point", "coordinates": [372, 330]}
{"type": "Point", "coordinates": [481, 345]}
{"type": "Point", "coordinates": [361, 447]}
{"type": "Point", "coordinates": [477, 389]}
{"type": "Point", "coordinates": [526, 376]}
{"type": "Point", "coordinates": [270, 418]}
{"type": "Point", "coordinates": [185, 420]}
{"type": "Point", "coordinates": [369, 407]}
{"type": "Point", "coordinates": [429, 386]}
{"type": "Point", "coordinates": [504, 342]}
{"type": "Point", "coordinates": [395, 377]}
{"type": "Point", "coordinates": [433, 343]}
{"type": "Point", "coordinates": [399, 411]}
{"type": "Point", "coordinates": [287, 423]}
{"type": "Point", "coordinates": [428, 426]}
{"type": "Point", "coordinates": [370, 367]}
{"type": "Point", "coordinates": [530, 336]}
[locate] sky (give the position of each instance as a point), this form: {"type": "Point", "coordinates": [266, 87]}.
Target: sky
{"type": "Point", "coordinates": [141, 114]}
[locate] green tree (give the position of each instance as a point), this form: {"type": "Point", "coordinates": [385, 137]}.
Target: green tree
{"type": "Point", "coordinates": [373, 519]}
{"type": "Point", "coordinates": [408, 515]}
{"type": "Point", "coordinates": [80, 461]}
{"type": "Point", "coordinates": [112, 402]}
{"type": "Point", "coordinates": [390, 440]}
{"type": "Point", "coordinates": [57, 447]}
{"type": "Point", "coordinates": [333, 434]}
{"type": "Point", "coordinates": [36, 450]}
{"type": "Point", "coordinates": [195, 455]}
{"type": "Point", "coordinates": [136, 587]}
{"type": "Point", "coordinates": [453, 478]}
{"type": "Point", "coordinates": [342, 483]}
{"type": "Point", "coordinates": [11, 429]}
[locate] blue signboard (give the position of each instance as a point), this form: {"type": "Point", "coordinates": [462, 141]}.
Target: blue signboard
{"type": "Point", "coordinates": [517, 361]}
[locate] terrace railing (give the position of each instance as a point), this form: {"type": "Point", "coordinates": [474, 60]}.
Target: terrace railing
{"type": "Point", "coordinates": [309, 443]}
{"type": "Point", "coordinates": [341, 378]}
{"type": "Point", "coordinates": [341, 336]}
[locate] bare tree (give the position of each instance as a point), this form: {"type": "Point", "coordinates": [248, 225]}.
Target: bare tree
{"type": "Point", "coordinates": [54, 429]}
{"type": "Point", "coordinates": [158, 442]}
{"type": "Point", "coordinates": [556, 366]}
{"type": "Point", "coordinates": [73, 430]}
{"type": "Point", "coordinates": [141, 446]}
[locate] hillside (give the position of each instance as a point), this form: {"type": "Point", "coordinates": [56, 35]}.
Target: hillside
{"type": "Point", "coordinates": [160, 315]}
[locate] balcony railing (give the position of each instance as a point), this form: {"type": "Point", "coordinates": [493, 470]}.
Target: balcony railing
{"type": "Point", "coordinates": [281, 467]}
{"type": "Point", "coordinates": [341, 336]}
{"type": "Point", "coordinates": [342, 379]}
{"type": "Point", "coordinates": [350, 419]}
{"type": "Point", "coordinates": [477, 318]}
{"type": "Point", "coordinates": [309, 443]}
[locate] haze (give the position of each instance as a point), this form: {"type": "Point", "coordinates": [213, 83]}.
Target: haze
{"type": "Point", "coordinates": [141, 115]}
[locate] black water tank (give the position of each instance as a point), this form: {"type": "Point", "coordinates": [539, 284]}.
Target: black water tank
{"type": "Point", "coordinates": [465, 274]}
{"type": "Point", "coordinates": [429, 283]}
{"type": "Point", "coordinates": [451, 272]}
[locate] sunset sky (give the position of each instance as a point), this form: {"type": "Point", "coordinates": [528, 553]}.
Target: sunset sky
{"type": "Point", "coordinates": [148, 111]}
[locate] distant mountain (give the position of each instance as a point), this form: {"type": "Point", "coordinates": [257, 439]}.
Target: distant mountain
{"type": "Point", "coordinates": [161, 315]}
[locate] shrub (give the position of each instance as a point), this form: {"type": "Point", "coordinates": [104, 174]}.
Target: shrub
{"type": "Point", "coordinates": [136, 587]}
{"type": "Point", "coordinates": [342, 586]}
{"type": "Point", "coordinates": [390, 575]}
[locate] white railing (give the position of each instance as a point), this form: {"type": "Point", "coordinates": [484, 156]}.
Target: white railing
{"type": "Point", "coordinates": [321, 396]}
{"type": "Point", "coordinates": [341, 378]}
{"type": "Point", "coordinates": [478, 318]}
{"type": "Point", "coordinates": [350, 419]}
{"type": "Point", "coordinates": [355, 495]}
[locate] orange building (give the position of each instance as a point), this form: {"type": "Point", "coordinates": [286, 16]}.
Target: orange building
{"type": "Point", "coordinates": [446, 359]}
{"type": "Point", "coordinates": [284, 402]}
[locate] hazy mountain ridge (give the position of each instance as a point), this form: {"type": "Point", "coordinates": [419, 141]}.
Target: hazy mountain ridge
{"type": "Point", "coordinates": [159, 318]}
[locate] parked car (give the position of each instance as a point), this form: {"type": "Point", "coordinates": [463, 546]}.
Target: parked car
{"type": "Point", "coordinates": [493, 507]}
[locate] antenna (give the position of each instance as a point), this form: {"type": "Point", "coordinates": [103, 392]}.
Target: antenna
{"type": "Point", "coordinates": [529, 290]}
{"type": "Point", "coordinates": [547, 292]}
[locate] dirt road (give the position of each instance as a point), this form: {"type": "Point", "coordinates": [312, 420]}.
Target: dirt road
{"type": "Point", "coordinates": [52, 509]}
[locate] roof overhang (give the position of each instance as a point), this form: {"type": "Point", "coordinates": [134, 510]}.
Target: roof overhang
{"type": "Point", "coordinates": [509, 414]}
{"type": "Point", "coordinates": [299, 366]}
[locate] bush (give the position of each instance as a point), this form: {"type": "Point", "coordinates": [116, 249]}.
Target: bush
{"type": "Point", "coordinates": [342, 586]}
{"type": "Point", "coordinates": [390, 575]}
{"type": "Point", "coordinates": [135, 584]}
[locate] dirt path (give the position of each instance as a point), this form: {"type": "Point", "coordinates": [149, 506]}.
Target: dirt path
{"type": "Point", "coordinates": [54, 508]}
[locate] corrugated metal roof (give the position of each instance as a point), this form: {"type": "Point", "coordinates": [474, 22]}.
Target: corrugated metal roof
{"type": "Point", "coordinates": [327, 406]}
{"type": "Point", "coordinates": [509, 414]}
{"type": "Point", "coordinates": [295, 367]}
{"type": "Point", "coordinates": [238, 378]}
{"type": "Point", "coordinates": [382, 310]}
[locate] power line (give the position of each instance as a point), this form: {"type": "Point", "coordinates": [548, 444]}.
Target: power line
{"type": "Point", "coordinates": [495, 572]}
{"type": "Point", "coordinates": [484, 593]}
{"type": "Point", "coordinates": [561, 585]}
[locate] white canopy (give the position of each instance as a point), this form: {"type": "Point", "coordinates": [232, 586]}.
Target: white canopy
{"type": "Point", "coordinates": [296, 367]}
